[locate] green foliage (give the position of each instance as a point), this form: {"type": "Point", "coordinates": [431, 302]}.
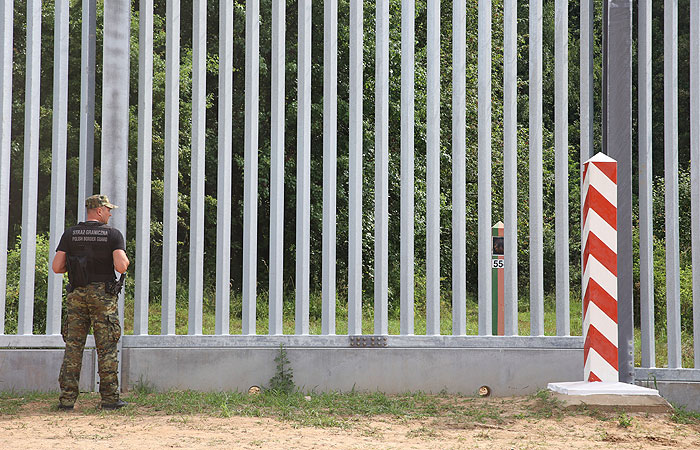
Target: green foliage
{"type": "Point", "coordinates": [545, 405]}
{"type": "Point", "coordinates": [238, 110]}
{"type": "Point", "coordinates": [11, 402]}
{"type": "Point", "coordinates": [659, 255]}
{"type": "Point", "coordinates": [283, 380]}
{"type": "Point", "coordinates": [41, 279]}
{"type": "Point", "coordinates": [143, 387]}
{"type": "Point", "coordinates": [683, 416]}
{"type": "Point", "coordinates": [624, 420]}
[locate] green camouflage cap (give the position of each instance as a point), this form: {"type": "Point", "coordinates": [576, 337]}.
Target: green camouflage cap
{"type": "Point", "coordinates": [95, 201]}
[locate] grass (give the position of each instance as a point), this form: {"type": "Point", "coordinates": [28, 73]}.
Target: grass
{"type": "Point", "coordinates": [341, 324]}
{"type": "Point", "coordinates": [682, 416]}
{"type": "Point", "coordinates": [11, 402]}
{"type": "Point", "coordinates": [330, 409]}
{"type": "Point", "coordinates": [661, 349]}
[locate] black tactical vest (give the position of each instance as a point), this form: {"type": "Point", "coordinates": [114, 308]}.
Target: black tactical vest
{"type": "Point", "coordinates": [89, 250]}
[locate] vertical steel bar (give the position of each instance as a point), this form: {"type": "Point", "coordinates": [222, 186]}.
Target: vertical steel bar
{"type": "Point", "coordinates": [355, 167]}
{"type": "Point", "coordinates": [586, 92]}
{"type": "Point", "coordinates": [605, 50]}
{"type": "Point", "coordinates": [673, 289]}
{"type": "Point", "coordinates": [301, 314]}
{"type": "Point", "coordinates": [408, 36]}
{"type": "Point", "coordinates": [115, 114]}
{"type": "Point", "coordinates": [561, 172]}
{"type": "Point", "coordinates": [459, 142]}
{"type": "Point", "coordinates": [250, 186]}
{"type": "Point", "coordinates": [6, 48]}
{"type": "Point", "coordinates": [277, 167]}
{"type": "Point", "coordinates": [87, 105]}
{"type": "Point", "coordinates": [330, 153]}
{"type": "Point", "coordinates": [143, 177]}
{"type": "Point", "coordinates": [329, 165]}
{"type": "Point", "coordinates": [58, 162]}
{"type": "Point", "coordinates": [510, 165]}
{"type": "Point", "coordinates": [432, 239]}
{"type": "Point", "coordinates": [31, 168]}
{"type": "Point", "coordinates": [587, 9]}
{"type": "Point", "coordinates": [646, 229]}
{"type": "Point", "coordinates": [695, 168]}
{"type": "Point", "coordinates": [199, 98]}
{"type": "Point", "coordinates": [617, 143]}
{"type": "Point", "coordinates": [536, 210]}
{"type": "Point", "coordinates": [381, 171]}
{"type": "Point", "coordinates": [223, 178]}
{"type": "Point", "coordinates": [170, 175]}
{"type": "Point", "coordinates": [484, 233]}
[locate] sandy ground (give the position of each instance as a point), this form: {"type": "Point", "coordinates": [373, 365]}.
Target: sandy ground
{"type": "Point", "coordinates": [40, 427]}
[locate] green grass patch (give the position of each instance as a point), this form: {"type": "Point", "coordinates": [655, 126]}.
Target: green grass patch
{"type": "Point", "coordinates": [12, 402]}
{"type": "Point", "coordinates": [329, 409]}
{"type": "Point", "coordinates": [341, 319]}
{"type": "Point", "coordinates": [683, 416]}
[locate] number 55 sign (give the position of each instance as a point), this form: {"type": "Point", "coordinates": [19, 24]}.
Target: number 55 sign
{"type": "Point", "coordinates": [497, 263]}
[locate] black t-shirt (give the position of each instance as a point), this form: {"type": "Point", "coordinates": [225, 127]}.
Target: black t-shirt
{"type": "Point", "coordinates": [96, 241]}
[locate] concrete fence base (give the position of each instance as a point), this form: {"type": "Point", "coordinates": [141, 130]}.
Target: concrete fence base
{"type": "Point", "coordinates": [455, 364]}
{"type": "Point", "coordinates": [391, 364]}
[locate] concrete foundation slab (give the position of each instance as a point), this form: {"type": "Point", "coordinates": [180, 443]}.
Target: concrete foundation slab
{"type": "Point", "coordinates": [654, 404]}
{"type": "Point", "coordinates": [599, 388]}
{"type": "Point", "coordinates": [609, 396]}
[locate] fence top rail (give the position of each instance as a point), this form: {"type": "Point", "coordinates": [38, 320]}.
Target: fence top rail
{"type": "Point", "coordinates": [365, 341]}
{"type": "Point", "coordinates": [310, 341]}
{"type": "Point", "coordinates": [654, 374]}
{"type": "Point", "coordinates": [10, 341]}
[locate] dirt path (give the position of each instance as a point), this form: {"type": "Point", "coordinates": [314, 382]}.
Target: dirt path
{"type": "Point", "coordinates": [38, 426]}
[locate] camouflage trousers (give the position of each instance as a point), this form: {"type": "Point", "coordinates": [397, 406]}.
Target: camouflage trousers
{"type": "Point", "coordinates": [86, 306]}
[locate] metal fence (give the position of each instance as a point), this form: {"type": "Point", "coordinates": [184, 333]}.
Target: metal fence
{"type": "Point", "coordinates": [114, 158]}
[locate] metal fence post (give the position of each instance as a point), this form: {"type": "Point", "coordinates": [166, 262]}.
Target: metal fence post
{"type": "Point", "coordinates": [617, 143]}
{"type": "Point", "coordinates": [86, 160]}
{"type": "Point", "coordinates": [6, 29]}
{"type": "Point", "coordinates": [30, 176]}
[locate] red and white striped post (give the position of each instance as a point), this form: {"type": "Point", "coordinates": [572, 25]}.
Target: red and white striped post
{"type": "Point", "coordinates": [599, 244]}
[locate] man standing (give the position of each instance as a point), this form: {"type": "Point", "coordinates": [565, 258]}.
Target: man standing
{"type": "Point", "coordinates": [90, 252]}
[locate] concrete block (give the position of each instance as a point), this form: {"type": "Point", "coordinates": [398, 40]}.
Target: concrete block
{"type": "Point", "coordinates": [616, 402]}
{"type": "Point", "coordinates": [609, 396]}
{"type": "Point", "coordinates": [37, 370]}
{"type": "Point", "coordinates": [506, 372]}
{"type": "Point", "coordinates": [681, 393]}
{"type": "Point", "coordinates": [600, 388]}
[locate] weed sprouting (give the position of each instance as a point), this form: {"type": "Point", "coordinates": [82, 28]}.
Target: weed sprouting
{"type": "Point", "coordinates": [143, 386]}
{"type": "Point", "coordinates": [624, 420]}
{"type": "Point", "coordinates": [546, 405]}
{"type": "Point", "coordinates": [283, 380]}
{"type": "Point", "coordinates": [682, 416]}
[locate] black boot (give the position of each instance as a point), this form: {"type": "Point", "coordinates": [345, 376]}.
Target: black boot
{"type": "Point", "coordinates": [117, 405]}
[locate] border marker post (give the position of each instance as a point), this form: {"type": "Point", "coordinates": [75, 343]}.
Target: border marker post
{"type": "Point", "coordinates": [599, 244]}
{"type": "Point", "coordinates": [497, 273]}
{"type": "Point", "coordinates": [601, 384]}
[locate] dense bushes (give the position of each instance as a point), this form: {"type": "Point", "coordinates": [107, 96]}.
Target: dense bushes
{"type": "Point", "coordinates": [210, 200]}
{"type": "Point", "coordinates": [41, 277]}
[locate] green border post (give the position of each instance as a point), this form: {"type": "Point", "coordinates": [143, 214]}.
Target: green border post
{"type": "Point", "coordinates": [497, 271]}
